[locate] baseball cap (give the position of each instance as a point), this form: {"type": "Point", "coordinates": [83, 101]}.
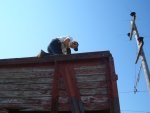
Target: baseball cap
{"type": "Point", "coordinates": [76, 43]}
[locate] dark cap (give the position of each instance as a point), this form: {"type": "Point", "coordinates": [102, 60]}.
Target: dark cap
{"type": "Point", "coordinates": [76, 43]}
{"type": "Point", "coordinates": [76, 49]}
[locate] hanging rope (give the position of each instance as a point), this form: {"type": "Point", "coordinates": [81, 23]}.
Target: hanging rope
{"type": "Point", "coordinates": [137, 80]}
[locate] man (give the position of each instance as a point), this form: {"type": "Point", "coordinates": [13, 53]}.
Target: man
{"type": "Point", "coordinates": [62, 45]}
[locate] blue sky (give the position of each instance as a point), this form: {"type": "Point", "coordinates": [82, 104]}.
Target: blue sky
{"type": "Point", "coordinates": [27, 26]}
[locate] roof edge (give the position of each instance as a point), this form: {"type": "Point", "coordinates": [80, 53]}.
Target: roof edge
{"type": "Point", "coordinates": [53, 58]}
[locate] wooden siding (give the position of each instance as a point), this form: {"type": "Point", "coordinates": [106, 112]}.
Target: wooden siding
{"type": "Point", "coordinates": [28, 87]}
{"type": "Point", "coordinates": [25, 87]}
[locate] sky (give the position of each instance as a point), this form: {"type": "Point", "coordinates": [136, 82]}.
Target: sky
{"type": "Point", "coordinates": [27, 26]}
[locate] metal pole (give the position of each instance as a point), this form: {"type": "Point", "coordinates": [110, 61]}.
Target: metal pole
{"type": "Point", "coordinates": [142, 54]}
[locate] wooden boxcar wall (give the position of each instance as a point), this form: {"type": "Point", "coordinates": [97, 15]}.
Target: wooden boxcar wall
{"type": "Point", "coordinates": [26, 83]}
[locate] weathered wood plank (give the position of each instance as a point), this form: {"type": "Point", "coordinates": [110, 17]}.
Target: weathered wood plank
{"type": "Point", "coordinates": [96, 91]}
{"type": "Point", "coordinates": [25, 87]}
{"type": "Point", "coordinates": [43, 103]}
{"type": "Point", "coordinates": [63, 107]}
{"type": "Point", "coordinates": [26, 72]}
{"type": "Point", "coordinates": [96, 106]}
{"type": "Point", "coordinates": [91, 84]}
{"type": "Point", "coordinates": [87, 99]}
{"type": "Point", "coordinates": [88, 85]}
{"type": "Point", "coordinates": [26, 81]}
{"type": "Point", "coordinates": [44, 100]}
{"type": "Point", "coordinates": [27, 69]}
{"type": "Point", "coordinates": [43, 93]}
{"type": "Point", "coordinates": [25, 100]}
{"type": "Point", "coordinates": [26, 75]}
{"type": "Point", "coordinates": [89, 77]}
{"type": "Point", "coordinates": [87, 92]}
{"type": "Point", "coordinates": [25, 93]}
{"type": "Point", "coordinates": [48, 86]}
{"type": "Point", "coordinates": [90, 69]}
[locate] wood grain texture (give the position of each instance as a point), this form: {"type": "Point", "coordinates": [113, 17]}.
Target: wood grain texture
{"type": "Point", "coordinates": [32, 86]}
{"type": "Point", "coordinates": [29, 88]}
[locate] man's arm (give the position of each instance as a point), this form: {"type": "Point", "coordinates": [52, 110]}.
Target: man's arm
{"type": "Point", "coordinates": [68, 51]}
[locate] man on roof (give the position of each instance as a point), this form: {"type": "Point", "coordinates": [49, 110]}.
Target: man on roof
{"type": "Point", "coordinates": [62, 45]}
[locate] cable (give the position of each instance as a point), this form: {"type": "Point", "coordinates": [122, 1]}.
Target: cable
{"type": "Point", "coordinates": [135, 111]}
{"type": "Point", "coordinates": [133, 92]}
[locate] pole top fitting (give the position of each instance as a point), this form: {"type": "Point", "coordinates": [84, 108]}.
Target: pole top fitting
{"type": "Point", "coordinates": [128, 34]}
{"type": "Point", "coordinates": [133, 14]}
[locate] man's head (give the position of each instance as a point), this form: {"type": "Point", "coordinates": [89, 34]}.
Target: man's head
{"type": "Point", "coordinates": [74, 45]}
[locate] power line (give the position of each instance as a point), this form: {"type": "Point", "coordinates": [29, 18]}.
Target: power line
{"type": "Point", "coordinates": [135, 111]}
{"type": "Point", "coordinates": [133, 92]}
